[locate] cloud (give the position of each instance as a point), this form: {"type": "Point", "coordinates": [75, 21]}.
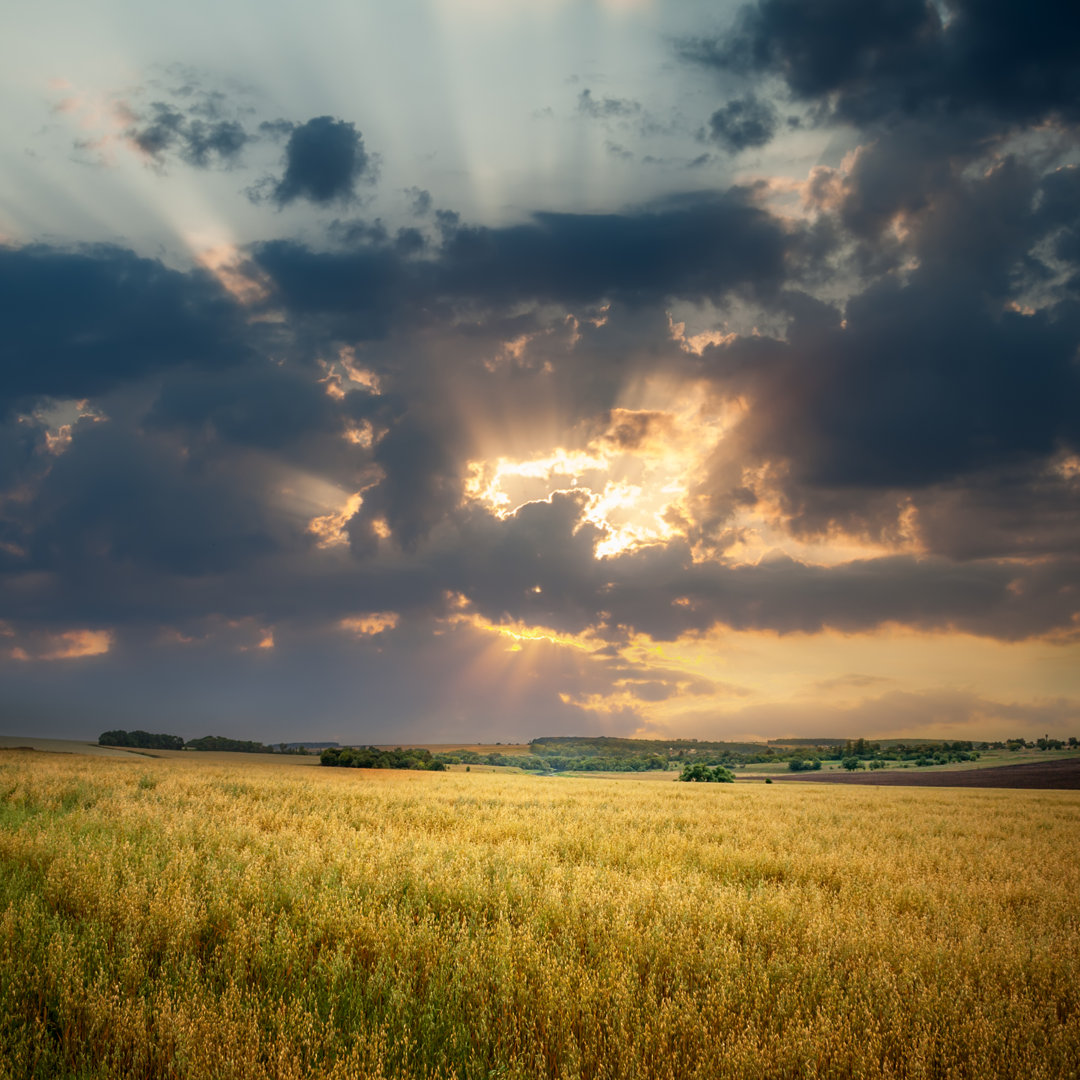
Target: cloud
{"type": "Point", "coordinates": [696, 247]}
{"type": "Point", "coordinates": [606, 108]}
{"type": "Point", "coordinates": [121, 499]}
{"type": "Point", "coordinates": [743, 123]}
{"type": "Point", "coordinates": [420, 201]}
{"type": "Point", "coordinates": [258, 405]}
{"type": "Point", "coordinates": [59, 645]}
{"type": "Point", "coordinates": [83, 321]}
{"type": "Point", "coordinates": [324, 161]}
{"type": "Point", "coordinates": [198, 142]}
{"type": "Point", "coordinates": [870, 62]}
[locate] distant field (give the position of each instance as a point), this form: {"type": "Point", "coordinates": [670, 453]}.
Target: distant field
{"type": "Point", "coordinates": [178, 917]}
{"type": "Point", "coordinates": [230, 757]}
{"type": "Point", "coordinates": [649, 775]}
{"type": "Point", "coordinates": [60, 746]}
{"type": "Point", "coordinates": [988, 759]}
{"type": "Point", "coordinates": [1059, 774]}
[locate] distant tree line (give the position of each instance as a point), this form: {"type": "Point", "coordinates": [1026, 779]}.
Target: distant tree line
{"type": "Point", "coordinates": [146, 740]}
{"type": "Point", "coordinates": [220, 742]}
{"type": "Point", "coordinates": [371, 757]}
{"type": "Point", "coordinates": [149, 740]}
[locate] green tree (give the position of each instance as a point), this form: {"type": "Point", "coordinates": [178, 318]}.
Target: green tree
{"type": "Point", "coordinates": [702, 774]}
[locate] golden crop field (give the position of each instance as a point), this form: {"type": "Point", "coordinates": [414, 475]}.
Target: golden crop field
{"type": "Point", "coordinates": [174, 918]}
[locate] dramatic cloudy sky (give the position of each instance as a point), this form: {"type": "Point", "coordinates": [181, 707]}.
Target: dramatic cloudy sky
{"type": "Point", "coordinates": [486, 369]}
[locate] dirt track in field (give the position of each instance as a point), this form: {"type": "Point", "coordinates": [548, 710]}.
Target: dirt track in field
{"type": "Point", "coordinates": [1039, 774]}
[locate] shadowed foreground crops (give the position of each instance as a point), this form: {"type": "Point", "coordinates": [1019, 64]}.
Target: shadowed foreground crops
{"type": "Point", "coordinates": [176, 919]}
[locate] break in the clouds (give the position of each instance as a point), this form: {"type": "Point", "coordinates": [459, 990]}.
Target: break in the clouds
{"type": "Point", "coordinates": [543, 433]}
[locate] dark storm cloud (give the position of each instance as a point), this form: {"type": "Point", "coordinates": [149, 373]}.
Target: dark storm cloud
{"type": "Point", "coordinates": [80, 322]}
{"type": "Point", "coordinates": [952, 389]}
{"type": "Point", "coordinates": [1059, 211]}
{"type": "Point", "coordinates": [695, 247]}
{"type": "Point", "coordinates": [743, 123]}
{"type": "Point", "coordinates": [260, 405]}
{"type": "Point", "coordinates": [364, 288]}
{"type": "Point", "coordinates": [900, 57]}
{"type": "Point", "coordinates": [1031, 513]}
{"type": "Point", "coordinates": [118, 499]}
{"type": "Point", "coordinates": [21, 444]}
{"type": "Point", "coordinates": [421, 482]}
{"type": "Point", "coordinates": [543, 546]}
{"type": "Point", "coordinates": [538, 567]}
{"type": "Point", "coordinates": [933, 374]}
{"type": "Point", "coordinates": [325, 159]}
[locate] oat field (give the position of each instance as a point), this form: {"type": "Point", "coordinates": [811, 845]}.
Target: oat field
{"type": "Point", "coordinates": [172, 918]}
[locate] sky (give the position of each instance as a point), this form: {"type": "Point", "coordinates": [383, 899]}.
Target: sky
{"type": "Point", "coordinates": [488, 369]}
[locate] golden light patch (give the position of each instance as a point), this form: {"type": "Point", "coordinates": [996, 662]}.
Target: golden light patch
{"type": "Point", "coordinates": [488, 482]}
{"type": "Point", "coordinates": [355, 372]}
{"type": "Point", "coordinates": [517, 651]}
{"type": "Point", "coordinates": [518, 632]}
{"type": "Point", "coordinates": [59, 419]}
{"type": "Point", "coordinates": [67, 645]}
{"type": "Point", "coordinates": [697, 343]}
{"type": "Point", "coordinates": [360, 434]}
{"type": "Point", "coordinates": [370, 623]}
{"type": "Point", "coordinates": [331, 383]}
{"type": "Point", "coordinates": [238, 277]}
{"type": "Point", "coordinates": [634, 478]}
{"type": "Point", "coordinates": [1068, 467]}
{"type": "Point", "coordinates": [244, 634]}
{"type": "Point", "coordinates": [57, 442]}
{"type": "Point", "coordinates": [330, 528]}
{"type": "Point", "coordinates": [344, 373]}
{"type": "Point", "coordinates": [511, 352]}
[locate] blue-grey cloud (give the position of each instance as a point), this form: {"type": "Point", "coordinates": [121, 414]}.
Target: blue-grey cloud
{"type": "Point", "coordinates": [871, 61]}
{"type": "Point", "coordinates": [80, 322]}
{"type": "Point", "coordinates": [325, 159]}
{"type": "Point", "coordinates": [743, 123]}
{"type": "Point", "coordinates": [698, 247]}
{"type": "Point", "coordinates": [197, 141]}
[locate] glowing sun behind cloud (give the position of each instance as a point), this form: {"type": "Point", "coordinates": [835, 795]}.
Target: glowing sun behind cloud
{"type": "Point", "coordinates": [635, 477]}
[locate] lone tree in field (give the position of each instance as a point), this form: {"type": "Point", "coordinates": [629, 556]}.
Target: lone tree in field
{"type": "Point", "coordinates": [703, 774]}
